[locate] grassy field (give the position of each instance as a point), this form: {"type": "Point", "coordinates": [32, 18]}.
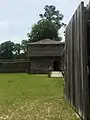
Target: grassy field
{"type": "Point", "coordinates": [33, 97]}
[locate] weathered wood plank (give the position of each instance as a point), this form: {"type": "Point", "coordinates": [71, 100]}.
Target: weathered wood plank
{"type": "Point", "coordinates": [67, 79]}
{"type": "Point", "coordinates": [71, 62]}
{"type": "Point", "coordinates": [83, 61]}
{"type": "Point", "coordinates": [75, 58]}
{"type": "Point", "coordinates": [73, 65]}
{"type": "Point", "coordinates": [78, 64]}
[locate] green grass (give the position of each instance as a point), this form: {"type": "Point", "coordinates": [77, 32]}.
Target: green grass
{"type": "Point", "coordinates": [33, 97]}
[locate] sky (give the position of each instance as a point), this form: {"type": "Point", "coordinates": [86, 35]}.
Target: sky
{"type": "Point", "coordinates": [18, 16]}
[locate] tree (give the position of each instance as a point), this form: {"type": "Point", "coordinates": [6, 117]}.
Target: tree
{"type": "Point", "coordinates": [24, 46]}
{"type": "Point", "coordinates": [48, 26]}
{"type": "Point", "coordinates": [6, 50]}
{"type": "Point", "coordinates": [17, 50]}
{"type": "Point", "coordinates": [54, 15]}
{"type": "Point", "coordinates": [42, 30]}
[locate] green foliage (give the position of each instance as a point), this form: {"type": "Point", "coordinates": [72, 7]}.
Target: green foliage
{"type": "Point", "coordinates": [52, 14]}
{"type": "Point", "coordinates": [17, 48]}
{"type": "Point", "coordinates": [24, 46]}
{"type": "Point", "coordinates": [42, 30]}
{"type": "Point", "coordinates": [6, 50]}
{"type": "Point", "coordinates": [48, 26]}
{"type": "Point", "coordinates": [10, 50]}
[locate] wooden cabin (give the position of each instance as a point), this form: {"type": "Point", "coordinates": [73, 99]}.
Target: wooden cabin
{"type": "Point", "coordinates": [77, 61]}
{"type": "Point", "coordinates": [44, 54]}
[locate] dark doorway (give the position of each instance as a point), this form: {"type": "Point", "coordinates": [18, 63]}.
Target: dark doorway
{"type": "Point", "coordinates": [56, 65]}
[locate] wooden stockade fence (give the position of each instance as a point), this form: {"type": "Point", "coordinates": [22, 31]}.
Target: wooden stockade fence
{"type": "Point", "coordinates": [15, 66]}
{"type": "Point", "coordinates": [76, 62]}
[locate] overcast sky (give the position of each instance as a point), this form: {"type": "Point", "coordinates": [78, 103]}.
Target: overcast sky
{"type": "Point", "coordinates": [17, 16]}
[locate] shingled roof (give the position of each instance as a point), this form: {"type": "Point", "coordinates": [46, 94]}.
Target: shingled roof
{"type": "Point", "coordinates": [46, 41]}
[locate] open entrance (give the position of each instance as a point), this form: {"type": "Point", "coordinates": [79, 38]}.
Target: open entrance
{"type": "Point", "coordinates": [56, 65]}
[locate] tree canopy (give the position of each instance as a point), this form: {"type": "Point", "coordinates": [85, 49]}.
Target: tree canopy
{"type": "Point", "coordinates": [6, 50]}
{"type": "Point", "coordinates": [24, 46]}
{"type": "Point", "coordinates": [42, 30]}
{"type": "Point", "coordinates": [17, 48]}
{"type": "Point", "coordinates": [48, 25]}
{"type": "Point", "coordinates": [53, 15]}
{"type": "Point", "coordinates": [11, 50]}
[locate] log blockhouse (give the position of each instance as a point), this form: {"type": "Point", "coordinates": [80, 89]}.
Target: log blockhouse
{"type": "Point", "coordinates": [44, 54]}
